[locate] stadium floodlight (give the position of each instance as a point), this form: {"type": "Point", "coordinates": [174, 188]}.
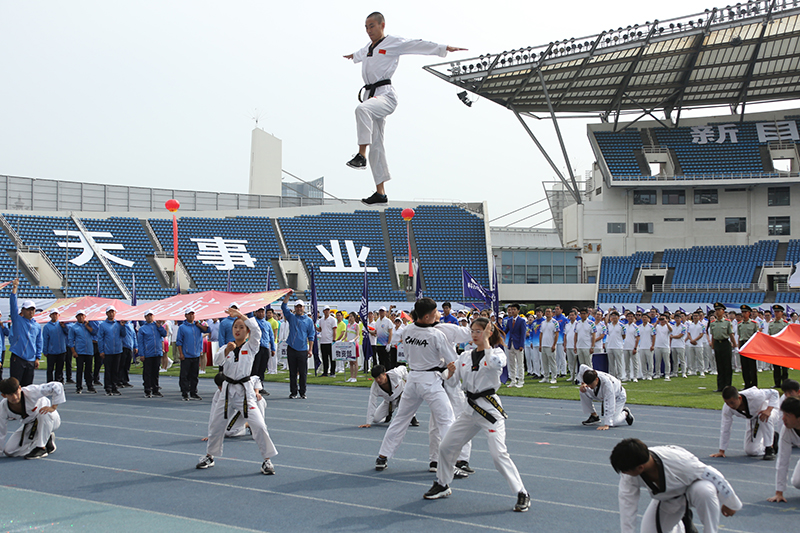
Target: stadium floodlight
{"type": "Point", "coordinates": [463, 97]}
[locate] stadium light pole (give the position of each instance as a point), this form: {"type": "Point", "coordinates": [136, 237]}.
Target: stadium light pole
{"type": "Point", "coordinates": [407, 215]}
{"type": "Point", "coordinates": [172, 206]}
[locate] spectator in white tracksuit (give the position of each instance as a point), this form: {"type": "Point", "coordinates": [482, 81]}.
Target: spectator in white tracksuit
{"type": "Point", "coordinates": [630, 348]}
{"type": "Point", "coordinates": [789, 437]}
{"type": "Point", "coordinates": [35, 406]}
{"type": "Point", "coordinates": [759, 407]}
{"type": "Point", "coordinates": [677, 482]}
{"type": "Point", "coordinates": [604, 388]}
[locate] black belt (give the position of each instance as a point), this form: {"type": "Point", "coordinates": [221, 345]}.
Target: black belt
{"type": "Point", "coordinates": [235, 382]}
{"type": "Point", "coordinates": [489, 395]}
{"type": "Point", "coordinates": [437, 369]}
{"type": "Point", "coordinates": [371, 88]}
{"type": "Point", "coordinates": [723, 340]}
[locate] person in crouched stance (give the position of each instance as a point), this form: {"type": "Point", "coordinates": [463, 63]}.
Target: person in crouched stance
{"type": "Point", "coordinates": [237, 392]}
{"type": "Point", "coordinates": [479, 372]}
{"type": "Point", "coordinates": [35, 406]}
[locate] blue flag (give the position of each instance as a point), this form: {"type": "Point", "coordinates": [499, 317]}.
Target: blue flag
{"type": "Point", "coordinates": [418, 291]}
{"type": "Point", "coordinates": [314, 314]}
{"type": "Point", "coordinates": [366, 346]}
{"type": "Point", "coordinates": [472, 290]}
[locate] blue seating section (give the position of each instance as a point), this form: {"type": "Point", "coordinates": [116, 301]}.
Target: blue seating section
{"type": "Point", "coordinates": [718, 264]}
{"type": "Point", "coordinates": [750, 298]}
{"type": "Point", "coordinates": [38, 231]}
{"type": "Point", "coordinates": [618, 151]}
{"type": "Point", "coordinates": [130, 233]}
{"type": "Point", "coordinates": [787, 297]}
{"type": "Point", "coordinates": [262, 245]}
{"type": "Point", "coordinates": [447, 238]}
{"type": "Point", "coordinates": [619, 297]}
{"type": "Point", "coordinates": [793, 252]}
{"type": "Point", "coordinates": [302, 235]}
{"type": "Point", "coordinates": [618, 270]}
{"type": "Point", "coordinates": [8, 271]}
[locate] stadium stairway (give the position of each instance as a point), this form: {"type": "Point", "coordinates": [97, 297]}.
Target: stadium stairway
{"type": "Point", "coordinates": [783, 249]}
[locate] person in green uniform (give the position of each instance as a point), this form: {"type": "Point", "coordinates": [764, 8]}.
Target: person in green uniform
{"type": "Point", "coordinates": [747, 328]}
{"type": "Point", "coordinates": [779, 373]}
{"type": "Point", "coordinates": [722, 342]}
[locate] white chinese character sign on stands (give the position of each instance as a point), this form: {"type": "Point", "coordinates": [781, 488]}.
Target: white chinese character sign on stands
{"type": "Point", "coordinates": [357, 261]}
{"type": "Point", "coordinates": [224, 254]}
{"type": "Point", "coordinates": [86, 249]}
{"type": "Point", "coordinates": [784, 130]}
{"type": "Point", "coordinates": [706, 134]}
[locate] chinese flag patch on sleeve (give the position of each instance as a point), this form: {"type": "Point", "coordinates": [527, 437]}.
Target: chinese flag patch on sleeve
{"type": "Point", "coordinates": [382, 51]}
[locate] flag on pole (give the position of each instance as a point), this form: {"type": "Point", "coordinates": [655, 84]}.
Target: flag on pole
{"type": "Point", "coordinates": [98, 286]}
{"type": "Point", "coordinates": [472, 290]}
{"type": "Point", "coordinates": [314, 315]}
{"type": "Point", "coordinates": [418, 275]}
{"type": "Point", "coordinates": [781, 349]}
{"type": "Point", "coordinates": [228, 289]}
{"type": "Point", "coordinates": [495, 291]}
{"type": "Point", "coordinates": [133, 293]}
{"type": "Point", "coordinates": [366, 346]}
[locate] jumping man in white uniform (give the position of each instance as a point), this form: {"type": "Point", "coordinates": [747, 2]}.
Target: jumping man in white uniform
{"type": "Point", "coordinates": [379, 61]}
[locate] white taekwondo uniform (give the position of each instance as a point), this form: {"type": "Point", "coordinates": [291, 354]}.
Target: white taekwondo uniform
{"type": "Point", "coordinates": [36, 428]}
{"type": "Point", "coordinates": [378, 63]}
{"type": "Point", "coordinates": [480, 380]}
{"type": "Point", "coordinates": [788, 438]}
{"type": "Point", "coordinates": [428, 352]}
{"type": "Point", "coordinates": [758, 435]}
{"type": "Point", "coordinates": [686, 482]}
{"type": "Point", "coordinates": [236, 421]}
{"type": "Point", "coordinates": [382, 403]}
{"type": "Point", "coordinates": [610, 393]}
{"type": "Point", "coordinates": [239, 395]}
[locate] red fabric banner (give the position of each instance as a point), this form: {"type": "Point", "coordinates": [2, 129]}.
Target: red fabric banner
{"type": "Point", "coordinates": [95, 308]}
{"type": "Point", "coordinates": [209, 304]}
{"type": "Point", "coordinates": [782, 349]}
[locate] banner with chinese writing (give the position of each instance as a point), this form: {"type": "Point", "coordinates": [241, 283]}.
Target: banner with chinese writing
{"type": "Point", "coordinates": [344, 351]}
{"type": "Point", "coordinates": [94, 308]}
{"type": "Point", "coordinates": [208, 304]}
{"type": "Point", "coordinates": [401, 353]}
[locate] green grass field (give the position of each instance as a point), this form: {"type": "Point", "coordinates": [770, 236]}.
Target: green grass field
{"type": "Point", "coordinates": [693, 392]}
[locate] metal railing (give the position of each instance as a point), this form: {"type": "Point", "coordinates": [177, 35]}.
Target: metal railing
{"type": "Point", "coordinates": [777, 264]}
{"type": "Point", "coordinates": [653, 266]}
{"type": "Point", "coordinates": [622, 287]}
{"type": "Point", "coordinates": [784, 287]}
{"type": "Point", "coordinates": [709, 177]}
{"type": "Point", "coordinates": [655, 149]}
{"type": "Point", "coordinates": [43, 255]}
{"type": "Point", "coordinates": [709, 287]}
{"type": "Point", "coordinates": [103, 261]}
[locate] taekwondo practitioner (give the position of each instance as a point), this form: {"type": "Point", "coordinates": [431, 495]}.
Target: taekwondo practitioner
{"type": "Point", "coordinates": [759, 407]}
{"type": "Point", "coordinates": [379, 60]}
{"type": "Point", "coordinates": [237, 391]}
{"type": "Point", "coordinates": [35, 406]}
{"type": "Point", "coordinates": [428, 352]}
{"type": "Point", "coordinates": [677, 481]}
{"type": "Point", "coordinates": [479, 372]}
{"type": "Point", "coordinates": [790, 436]}
{"type": "Point", "coordinates": [238, 426]}
{"type": "Point", "coordinates": [385, 393]}
{"type": "Point", "coordinates": [601, 387]}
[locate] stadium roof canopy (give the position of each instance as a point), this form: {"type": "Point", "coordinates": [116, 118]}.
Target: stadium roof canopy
{"type": "Point", "coordinates": [749, 52]}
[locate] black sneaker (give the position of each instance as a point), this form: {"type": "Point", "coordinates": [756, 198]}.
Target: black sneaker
{"type": "Point", "coordinates": [70, 380]}
{"type": "Point", "coordinates": [769, 454]}
{"type": "Point", "coordinates": [127, 386]}
{"type": "Point", "coordinates": [459, 474]}
{"type": "Point", "coordinates": [92, 391]}
{"type": "Point", "coordinates": [148, 395]}
{"type": "Point", "coordinates": [205, 462]}
{"type": "Point", "coordinates": [303, 397]}
{"type": "Point", "coordinates": [267, 468]}
{"type": "Point", "coordinates": [380, 463]}
{"type": "Point", "coordinates": [51, 444]}
{"type": "Point", "coordinates": [375, 199]}
{"type": "Point", "coordinates": [115, 392]}
{"type": "Point", "coordinates": [98, 382]}
{"type": "Point", "coordinates": [437, 491]}
{"type": "Point", "coordinates": [36, 453]}
{"type": "Point", "coordinates": [414, 422]}
{"type": "Point", "coordinates": [433, 466]}
{"type": "Point", "coordinates": [195, 396]}
{"type": "Point", "coordinates": [523, 502]}
{"type": "Point", "coordinates": [293, 396]}
{"type": "Point", "coordinates": [593, 419]}
{"type": "Point", "coordinates": [185, 397]}
{"type": "Point", "coordinates": [157, 394]}
{"type": "Point", "coordinates": [79, 391]}
{"type": "Point", "coordinates": [628, 416]}
{"type": "Point", "coordinates": [109, 393]}
{"type": "Point", "coordinates": [359, 162]}
{"type": "Point", "coordinates": [464, 465]}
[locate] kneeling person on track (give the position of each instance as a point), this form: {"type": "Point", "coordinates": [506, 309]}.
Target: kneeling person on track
{"type": "Point", "coordinates": [385, 394]}
{"type": "Point", "coordinates": [479, 371]}
{"type": "Point", "coordinates": [237, 391]}
{"type": "Point", "coordinates": [35, 406]}
{"type": "Point", "coordinates": [598, 386]}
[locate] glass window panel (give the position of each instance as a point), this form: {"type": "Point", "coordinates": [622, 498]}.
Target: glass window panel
{"type": "Point", "coordinates": [520, 258]}
{"type": "Point", "coordinates": [507, 257]}
{"type": "Point", "coordinates": [545, 258]}
{"type": "Point", "coordinates": [558, 258]}
{"type": "Point", "coordinates": [519, 278]}
{"type": "Point", "coordinates": [533, 258]}
{"type": "Point", "coordinates": [545, 269]}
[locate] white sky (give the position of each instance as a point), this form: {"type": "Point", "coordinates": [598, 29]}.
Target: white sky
{"type": "Point", "coordinates": [162, 93]}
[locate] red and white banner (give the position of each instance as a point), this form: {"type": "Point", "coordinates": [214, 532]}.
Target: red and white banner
{"type": "Point", "coordinates": [781, 349]}
{"type": "Point", "coordinates": [94, 308]}
{"type": "Point", "coordinates": [209, 304]}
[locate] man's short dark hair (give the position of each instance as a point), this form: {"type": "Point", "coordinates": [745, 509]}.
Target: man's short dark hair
{"type": "Point", "coordinates": [790, 385]}
{"type": "Point", "coordinates": [515, 305]}
{"type": "Point", "coordinates": [378, 16]}
{"type": "Point", "coordinates": [447, 304]}
{"type": "Point", "coordinates": [791, 406]}
{"type": "Point", "coordinates": [583, 310]}
{"type": "Point", "coordinates": [730, 392]}
{"type": "Point", "coordinates": [423, 306]}
{"type": "Point", "coordinates": [9, 386]}
{"type": "Point", "coordinates": [377, 370]}
{"type": "Point", "coordinates": [628, 454]}
{"type": "Point", "coordinates": [589, 376]}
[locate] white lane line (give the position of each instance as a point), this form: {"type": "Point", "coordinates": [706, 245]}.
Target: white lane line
{"type": "Point", "coordinates": [125, 508]}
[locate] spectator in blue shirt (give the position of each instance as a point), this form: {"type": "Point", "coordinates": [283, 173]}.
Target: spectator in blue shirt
{"type": "Point", "coordinates": [54, 347]}
{"type": "Point", "coordinates": [225, 332]}
{"type": "Point", "coordinates": [94, 329]}
{"type": "Point", "coordinates": [447, 318]}
{"type": "Point", "coordinates": [129, 351]}
{"type": "Point", "coordinates": [151, 348]}
{"type": "Point", "coordinates": [26, 339]}
{"type": "Point", "coordinates": [4, 332]}
{"type": "Point", "coordinates": [300, 342]}
{"type": "Point", "coordinates": [267, 346]}
{"type": "Point", "coordinates": [189, 344]}
{"type": "Point", "coordinates": [109, 342]}
{"type": "Point", "coordinates": [82, 346]}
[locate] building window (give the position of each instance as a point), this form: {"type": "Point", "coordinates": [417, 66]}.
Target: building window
{"type": "Point", "coordinates": [643, 227]}
{"type": "Point", "coordinates": [777, 196]}
{"type": "Point", "coordinates": [736, 189]}
{"type": "Point", "coordinates": [644, 198]}
{"type": "Point", "coordinates": [616, 227]}
{"type": "Point", "coordinates": [673, 220]}
{"type": "Point", "coordinates": [778, 225]}
{"type": "Point", "coordinates": [673, 197]}
{"type": "Point", "coordinates": [706, 219]}
{"type": "Point", "coordinates": [735, 225]}
{"type": "Point", "coordinates": [706, 196]}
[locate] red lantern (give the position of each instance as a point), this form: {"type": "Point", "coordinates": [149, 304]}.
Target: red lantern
{"type": "Point", "coordinates": [407, 214]}
{"type": "Point", "coordinates": [172, 205]}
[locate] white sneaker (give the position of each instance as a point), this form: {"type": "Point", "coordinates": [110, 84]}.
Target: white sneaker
{"type": "Point", "coordinates": [201, 372]}
{"type": "Point", "coordinates": [649, 378]}
{"type": "Point", "coordinates": [510, 384]}
{"type": "Point", "coordinates": [553, 381]}
{"type": "Point", "coordinates": [635, 380]}
{"type": "Point", "coordinates": [519, 385]}
{"type": "Point", "coordinates": [666, 378]}
{"type": "Point", "coordinates": [702, 374]}
{"type": "Point", "coordinates": [544, 380]}
{"type": "Point", "coordinates": [684, 375]}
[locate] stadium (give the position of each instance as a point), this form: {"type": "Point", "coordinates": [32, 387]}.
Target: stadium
{"type": "Point", "coordinates": [693, 125]}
